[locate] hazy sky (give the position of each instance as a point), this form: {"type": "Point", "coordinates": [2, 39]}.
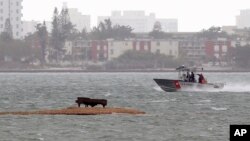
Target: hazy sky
{"type": "Point", "coordinates": [192, 15]}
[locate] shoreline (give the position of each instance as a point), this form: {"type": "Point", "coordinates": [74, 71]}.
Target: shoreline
{"type": "Point", "coordinates": [78, 111]}
{"type": "Point", "coordinates": [106, 71]}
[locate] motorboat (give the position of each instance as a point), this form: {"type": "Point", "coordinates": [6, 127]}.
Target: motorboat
{"type": "Point", "coordinates": [187, 82]}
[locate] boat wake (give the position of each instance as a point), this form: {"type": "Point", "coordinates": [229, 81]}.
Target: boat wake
{"type": "Point", "coordinates": [160, 101]}
{"type": "Point", "coordinates": [157, 88]}
{"type": "Point", "coordinates": [219, 108]}
{"type": "Point", "coordinates": [227, 88]}
{"type": "Point", "coordinates": [237, 88]}
{"type": "Point", "coordinates": [108, 94]}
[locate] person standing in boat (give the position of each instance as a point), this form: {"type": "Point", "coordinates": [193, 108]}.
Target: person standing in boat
{"type": "Point", "coordinates": [202, 79]}
{"type": "Point", "coordinates": [192, 77]}
{"type": "Point", "coordinates": [188, 77]}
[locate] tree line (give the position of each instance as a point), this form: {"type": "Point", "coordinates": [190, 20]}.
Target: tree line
{"type": "Point", "coordinates": [51, 43]}
{"type": "Point", "coordinates": [62, 30]}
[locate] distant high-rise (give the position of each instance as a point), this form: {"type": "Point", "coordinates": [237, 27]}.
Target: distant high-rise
{"type": "Point", "coordinates": [79, 20]}
{"type": "Point", "coordinates": [169, 25]}
{"type": "Point", "coordinates": [139, 21]}
{"type": "Point", "coordinates": [29, 27]}
{"type": "Point", "coordinates": [12, 10]}
{"type": "Point", "coordinates": [243, 20]}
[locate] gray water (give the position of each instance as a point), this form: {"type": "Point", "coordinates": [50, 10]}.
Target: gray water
{"type": "Point", "coordinates": [181, 116]}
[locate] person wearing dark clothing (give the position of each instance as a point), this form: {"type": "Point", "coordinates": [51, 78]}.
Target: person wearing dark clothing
{"type": "Point", "coordinates": [192, 77]}
{"type": "Point", "coordinates": [188, 77]}
{"type": "Point", "coordinates": [201, 78]}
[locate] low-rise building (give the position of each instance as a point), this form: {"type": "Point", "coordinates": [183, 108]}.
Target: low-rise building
{"type": "Point", "coordinates": [192, 50]}
{"type": "Point", "coordinates": [117, 48]}
{"type": "Point", "coordinates": [218, 48]}
{"type": "Point", "coordinates": [166, 47]}
{"type": "Point", "coordinates": [77, 51]}
{"type": "Point", "coordinates": [102, 51]}
{"type": "Point", "coordinates": [99, 51]}
{"type": "Point", "coordinates": [239, 43]}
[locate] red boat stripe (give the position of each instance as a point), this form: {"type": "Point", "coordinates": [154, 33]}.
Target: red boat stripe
{"type": "Point", "coordinates": [177, 84]}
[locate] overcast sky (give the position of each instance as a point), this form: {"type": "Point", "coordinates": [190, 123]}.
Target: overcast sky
{"type": "Point", "coordinates": [192, 15]}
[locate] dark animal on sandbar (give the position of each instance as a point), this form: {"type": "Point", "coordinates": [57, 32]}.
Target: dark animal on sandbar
{"type": "Point", "coordinates": [90, 102]}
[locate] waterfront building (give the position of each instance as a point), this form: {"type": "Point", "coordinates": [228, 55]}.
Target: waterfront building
{"type": "Point", "coordinates": [192, 50]}
{"type": "Point", "coordinates": [218, 49]}
{"type": "Point", "coordinates": [166, 47]}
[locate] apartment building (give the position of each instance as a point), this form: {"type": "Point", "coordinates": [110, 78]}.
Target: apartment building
{"type": "Point", "coordinates": [99, 51]}
{"type": "Point", "coordinates": [139, 21]}
{"type": "Point", "coordinates": [79, 20]}
{"type": "Point", "coordinates": [192, 49]}
{"type": "Point", "coordinates": [218, 48]}
{"type": "Point", "coordinates": [29, 27]}
{"type": "Point", "coordinates": [169, 25]}
{"type": "Point", "coordinates": [166, 47]}
{"type": "Point", "coordinates": [117, 48]}
{"type": "Point", "coordinates": [243, 20]}
{"type": "Point", "coordinates": [12, 9]}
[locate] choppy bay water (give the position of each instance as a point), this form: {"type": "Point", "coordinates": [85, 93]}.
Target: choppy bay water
{"type": "Point", "coordinates": [180, 116]}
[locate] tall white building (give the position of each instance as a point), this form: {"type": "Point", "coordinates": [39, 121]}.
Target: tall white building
{"type": "Point", "coordinates": [79, 20]}
{"type": "Point", "coordinates": [139, 21]}
{"type": "Point", "coordinates": [243, 20]}
{"type": "Point", "coordinates": [12, 9]}
{"type": "Point", "coordinates": [29, 27]}
{"type": "Point", "coordinates": [169, 25]}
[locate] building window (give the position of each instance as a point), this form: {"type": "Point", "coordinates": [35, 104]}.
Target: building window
{"type": "Point", "coordinates": [16, 18]}
{"type": "Point", "coordinates": [17, 26]}
{"type": "Point", "coordinates": [105, 47]}
{"type": "Point", "coordinates": [17, 3]}
{"type": "Point", "coordinates": [216, 55]}
{"type": "Point", "coordinates": [17, 11]}
{"type": "Point", "coordinates": [111, 51]}
{"type": "Point", "coordinates": [158, 43]}
{"type": "Point", "coordinates": [170, 52]}
{"type": "Point", "coordinates": [1, 26]}
{"type": "Point", "coordinates": [1, 10]}
{"type": "Point", "coordinates": [1, 18]}
{"type": "Point", "coordinates": [216, 48]}
{"type": "Point", "coordinates": [17, 33]}
{"type": "Point", "coordinates": [224, 48]}
{"type": "Point", "coordinates": [158, 51]}
{"type": "Point", "coordinates": [1, 3]}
